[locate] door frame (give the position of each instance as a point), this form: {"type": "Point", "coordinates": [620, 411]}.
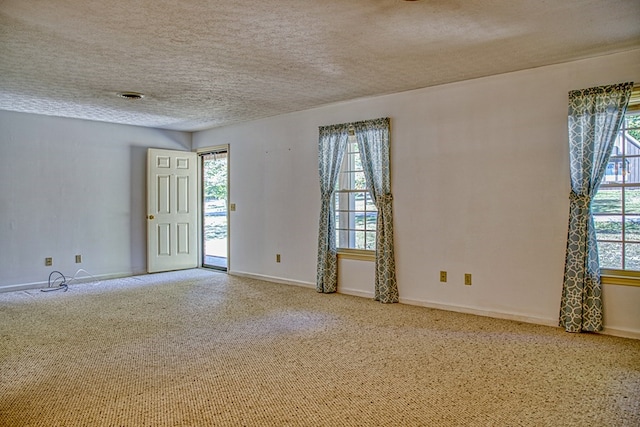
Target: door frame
{"type": "Point", "coordinates": [201, 240]}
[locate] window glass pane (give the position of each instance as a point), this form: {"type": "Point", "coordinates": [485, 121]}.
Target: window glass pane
{"type": "Point", "coordinates": [372, 217]}
{"type": "Point", "coordinates": [632, 121]}
{"type": "Point", "coordinates": [613, 174]}
{"type": "Point", "coordinates": [632, 228]}
{"type": "Point", "coordinates": [632, 164]}
{"type": "Point", "coordinates": [610, 255]}
{"type": "Point", "coordinates": [632, 256]}
{"type": "Point", "coordinates": [616, 207]}
{"type": "Point", "coordinates": [607, 200]}
{"type": "Point", "coordinates": [618, 145]}
{"type": "Point", "coordinates": [631, 146]}
{"type": "Point", "coordinates": [371, 240]}
{"type": "Point", "coordinates": [359, 223]}
{"type": "Point", "coordinates": [359, 201]}
{"type": "Point", "coordinates": [342, 202]}
{"type": "Point", "coordinates": [353, 161]}
{"type": "Point", "coordinates": [350, 180]}
{"type": "Point", "coordinates": [608, 227]}
{"type": "Point", "coordinates": [344, 181]}
{"type": "Point", "coordinates": [352, 202]}
{"type": "Point", "coordinates": [632, 200]}
{"type": "Point", "coordinates": [370, 205]}
{"type": "Point", "coordinates": [357, 163]}
{"type": "Point", "coordinates": [342, 238]}
{"type": "Point", "coordinates": [630, 172]}
{"type": "Point", "coordinates": [359, 182]}
{"type": "Point", "coordinates": [355, 211]}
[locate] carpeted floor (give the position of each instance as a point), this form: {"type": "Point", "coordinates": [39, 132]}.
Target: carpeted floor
{"type": "Point", "coordinates": [199, 348]}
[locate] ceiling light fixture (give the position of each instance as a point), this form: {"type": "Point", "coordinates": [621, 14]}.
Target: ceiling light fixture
{"type": "Point", "coordinates": [130, 95]}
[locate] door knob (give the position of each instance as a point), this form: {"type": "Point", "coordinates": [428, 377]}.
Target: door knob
{"type": "Point", "coordinates": [151, 217]}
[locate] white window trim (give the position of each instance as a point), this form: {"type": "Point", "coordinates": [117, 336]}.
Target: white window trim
{"type": "Point", "coordinates": [614, 276]}
{"type": "Point", "coordinates": [349, 233]}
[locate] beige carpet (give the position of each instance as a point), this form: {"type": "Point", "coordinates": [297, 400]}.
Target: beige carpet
{"type": "Point", "coordinates": [197, 348]}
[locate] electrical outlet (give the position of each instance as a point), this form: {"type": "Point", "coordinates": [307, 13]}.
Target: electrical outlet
{"type": "Point", "coordinates": [467, 279]}
{"type": "Point", "coordinates": [443, 276]}
{"type": "Point", "coordinates": [48, 262]}
{"type": "Point", "coordinates": [78, 259]}
{"type": "Point", "coordinates": [277, 257]}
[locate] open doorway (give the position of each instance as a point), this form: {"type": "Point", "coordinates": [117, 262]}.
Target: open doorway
{"type": "Point", "coordinates": [215, 212]}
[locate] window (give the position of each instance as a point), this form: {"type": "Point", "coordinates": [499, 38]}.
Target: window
{"type": "Point", "coordinates": [616, 206]}
{"type": "Point", "coordinates": [356, 214]}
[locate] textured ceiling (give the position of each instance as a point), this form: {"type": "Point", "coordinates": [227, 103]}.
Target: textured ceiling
{"type": "Point", "coordinates": [206, 63]}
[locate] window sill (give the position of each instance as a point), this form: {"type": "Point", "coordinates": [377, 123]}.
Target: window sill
{"type": "Point", "coordinates": [624, 278]}
{"type": "Point", "coordinates": [357, 254]}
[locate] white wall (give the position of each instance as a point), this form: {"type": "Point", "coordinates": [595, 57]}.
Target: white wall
{"type": "Point", "coordinates": [72, 187]}
{"type": "Point", "coordinates": [274, 184]}
{"type": "Point", "coordinates": [480, 178]}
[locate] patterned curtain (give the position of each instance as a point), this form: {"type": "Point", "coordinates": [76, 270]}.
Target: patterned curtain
{"type": "Point", "coordinates": [331, 147]}
{"type": "Point", "coordinates": [595, 116]}
{"type": "Point", "coordinates": [373, 143]}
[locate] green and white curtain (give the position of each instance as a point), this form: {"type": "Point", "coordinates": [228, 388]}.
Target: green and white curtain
{"type": "Point", "coordinates": [331, 147]}
{"type": "Point", "coordinates": [595, 116]}
{"type": "Point", "coordinates": [373, 142]}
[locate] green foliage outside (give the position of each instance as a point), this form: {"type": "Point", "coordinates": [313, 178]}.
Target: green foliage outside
{"type": "Point", "coordinates": [215, 179]}
{"type": "Point", "coordinates": [215, 188]}
{"type": "Point", "coordinates": [633, 126]}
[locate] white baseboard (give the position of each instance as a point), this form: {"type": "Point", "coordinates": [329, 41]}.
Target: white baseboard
{"type": "Point", "coordinates": [273, 279]}
{"type": "Point", "coordinates": [356, 292]}
{"type": "Point", "coordinates": [459, 308]}
{"type": "Point", "coordinates": [482, 312]}
{"type": "Point", "coordinates": [82, 279]}
{"type": "Point", "coordinates": [622, 333]}
{"type": "Point", "coordinates": [617, 332]}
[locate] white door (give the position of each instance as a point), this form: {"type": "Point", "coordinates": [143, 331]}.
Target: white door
{"type": "Point", "coordinates": [172, 242]}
